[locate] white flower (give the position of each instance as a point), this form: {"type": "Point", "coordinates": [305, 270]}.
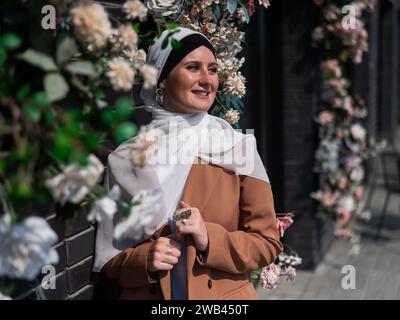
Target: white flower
{"type": "Point", "coordinates": [355, 250]}
{"type": "Point", "coordinates": [124, 37]}
{"type": "Point", "coordinates": [144, 146]}
{"type": "Point", "coordinates": [357, 174]}
{"type": "Point", "coordinates": [135, 9]}
{"type": "Point", "coordinates": [120, 74]}
{"type": "Point", "coordinates": [235, 85]}
{"type": "Point", "coordinates": [138, 57]}
{"type": "Point", "coordinates": [74, 183]}
{"type": "Point", "coordinates": [365, 215]}
{"type": "Point", "coordinates": [149, 74]}
{"type": "Point", "coordinates": [264, 3]}
{"type": "Point", "coordinates": [106, 207]}
{"type": "Point", "coordinates": [285, 259]}
{"type": "Point", "coordinates": [232, 116]}
{"type": "Point", "coordinates": [318, 34]}
{"type": "Point", "coordinates": [145, 204]}
{"type": "Point", "coordinates": [358, 132]}
{"type": "Point", "coordinates": [4, 297]}
{"type": "Point", "coordinates": [91, 25]}
{"type": "Point", "coordinates": [26, 247]}
{"type": "Point", "coordinates": [160, 9]}
{"type": "Point", "coordinates": [346, 204]}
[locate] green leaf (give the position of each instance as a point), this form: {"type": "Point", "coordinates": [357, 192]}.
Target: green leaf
{"type": "Point", "coordinates": [66, 49]}
{"type": "Point", "coordinates": [38, 59]}
{"type": "Point", "coordinates": [107, 116]}
{"type": "Point", "coordinates": [49, 117]}
{"type": "Point", "coordinates": [40, 99]}
{"type": "Point", "coordinates": [3, 166]}
{"type": "Point", "coordinates": [172, 26]}
{"type": "Point", "coordinates": [125, 131]}
{"type": "Point", "coordinates": [246, 13]}
{"type": "Point", "coordinates": [10, 41]}
{"type": "Point", "coordinates": [136, 27]}
{"type": "Point", "coordinates": [123, 108]}
{"type": "Point", "coordinates": [164, 43]}
{"type": "Point", "coordinates": [175, 44]}
{"type": "Point", "coordinates": [85, 68]}
{"type": "Point", "coordinates": [23, 92]}
{"type": "Point", "coordinates": [3, 55]}
{"type": "Point", "coordinates": [56, 87]}
{"type": "Point", "coordinates": [217, 12]}
{"type": "Point", "coordinates": [92, 141]}
{"type": "Point", "coordinates": [232, 5]}
{"type": "Point", "coordinates": [32, 112]}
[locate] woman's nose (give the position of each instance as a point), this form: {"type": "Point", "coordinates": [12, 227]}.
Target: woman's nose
{"type": "Point", "coordinates": [205, 77]}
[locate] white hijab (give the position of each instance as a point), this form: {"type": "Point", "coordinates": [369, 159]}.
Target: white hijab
{"type": "Point", "coordinates": [184, 137]}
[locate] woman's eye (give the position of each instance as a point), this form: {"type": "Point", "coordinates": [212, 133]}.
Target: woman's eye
{"type": "Point", "coordinates": [213, 70]}
{"type": "Point", "coordinates": [193, 67]}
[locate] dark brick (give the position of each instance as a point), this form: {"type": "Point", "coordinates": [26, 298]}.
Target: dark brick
{"type": "Point", "coordinates": [77, 223]}
{"type": "Point", "coordinates": [86, 293]}
{"type": "Point", "coordinates": [58, 225]}
{"type": "Point", "coordinates": [62, 257]}
{"type": "Point", "coordinates": [60, 291]}
{"type": "Point", "coordinates": [79, 274]}
{"type": "Point", "coordinates": [80, 246]}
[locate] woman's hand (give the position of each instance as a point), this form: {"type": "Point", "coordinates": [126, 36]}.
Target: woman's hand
{"type": "Point", "coordinates": [163, 254]}
{"type": "Point", "coordinates": [194, 225]}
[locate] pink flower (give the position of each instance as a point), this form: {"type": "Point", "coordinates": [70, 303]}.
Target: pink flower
{"type": "Point", "coordinates": [343, 233]}
{"type": "Point", "coordinates": [332, 66]}
{"type": "Point", "coordinates": [284, 223]}
{"type": "Point", "coordinates": [358, 132]}
{"type": "Point", "coordinates": [325, 117]}
{"type": "Point", "coordinates": [358, 193]}
{"type": "Point", "coordinates": [329, 199]}
{"type": "Point", "coordinates": [319, 3]}
{"type": "Point", "coordinates": [270, 276]}
{"type": "Point", "coordinates": [352, 162]}
{"type": "Point", "coordinates": [290, 273]}
{"type": "Point", "coordinates": [345, 218]}
{"type": "Point", "coordinates": [338, 85]}
{"type": "Point", "coordinates": [357, 56]}
{"type": "Point", "coordinates": [342, 183]}
{"type": "Point", "coordinates": [348, 106]}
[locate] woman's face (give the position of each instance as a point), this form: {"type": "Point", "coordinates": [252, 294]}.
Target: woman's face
{"type": "Point", "coordinates": [192, 85]}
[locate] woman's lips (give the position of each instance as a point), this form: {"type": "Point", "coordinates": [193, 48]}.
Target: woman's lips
{"type": "Point", "coordinates": [201, 94]}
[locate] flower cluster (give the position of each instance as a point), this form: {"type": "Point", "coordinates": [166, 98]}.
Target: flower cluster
{"type": "Point", "coordinates": [117, 46]}
{"type": "Point", "coordinates": [343, 142]}
{"type": "Point", "coordinates": [74, 182]}
{"type": "Point", "coordinates": [269, 276]}
{"type": "Point", "coordinates": [344, 24]}
{"type": "Point", "coordinates": [25, 247]}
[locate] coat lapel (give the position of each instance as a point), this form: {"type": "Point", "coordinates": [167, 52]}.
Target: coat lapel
{"type": "Point", "coordinates": [201, 182]}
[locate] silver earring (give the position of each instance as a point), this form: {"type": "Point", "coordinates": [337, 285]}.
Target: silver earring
{"type": "Point", "coordinates": [159, 96]}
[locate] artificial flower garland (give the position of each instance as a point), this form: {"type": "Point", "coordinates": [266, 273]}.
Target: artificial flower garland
{"type": "Point", "coordinates": [341, 38]}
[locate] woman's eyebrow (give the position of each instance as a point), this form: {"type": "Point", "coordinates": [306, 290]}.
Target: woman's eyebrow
{"type": "Point", "coordinates": [198, 61]}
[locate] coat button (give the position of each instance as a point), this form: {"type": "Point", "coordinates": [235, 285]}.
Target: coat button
{"type": "Point", "coordinates": [153, 289]}
{"type": "Point", "coordinates": [209, 284]}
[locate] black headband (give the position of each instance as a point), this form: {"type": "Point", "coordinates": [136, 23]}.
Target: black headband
{"type": "Point", "coordinates": [187, 45]}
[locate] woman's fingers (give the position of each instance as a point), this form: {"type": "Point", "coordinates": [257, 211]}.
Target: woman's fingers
{"type": "Point", "coordinates": [158, 265]}
{"type": "Point", "coordinates": [183, 204]}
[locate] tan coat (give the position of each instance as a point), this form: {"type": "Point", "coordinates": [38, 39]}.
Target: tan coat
{"type": "Point", "coordinates": [240, 218]}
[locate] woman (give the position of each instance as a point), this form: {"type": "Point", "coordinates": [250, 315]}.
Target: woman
{"type": "Point", "coordinates": [216, 221]}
